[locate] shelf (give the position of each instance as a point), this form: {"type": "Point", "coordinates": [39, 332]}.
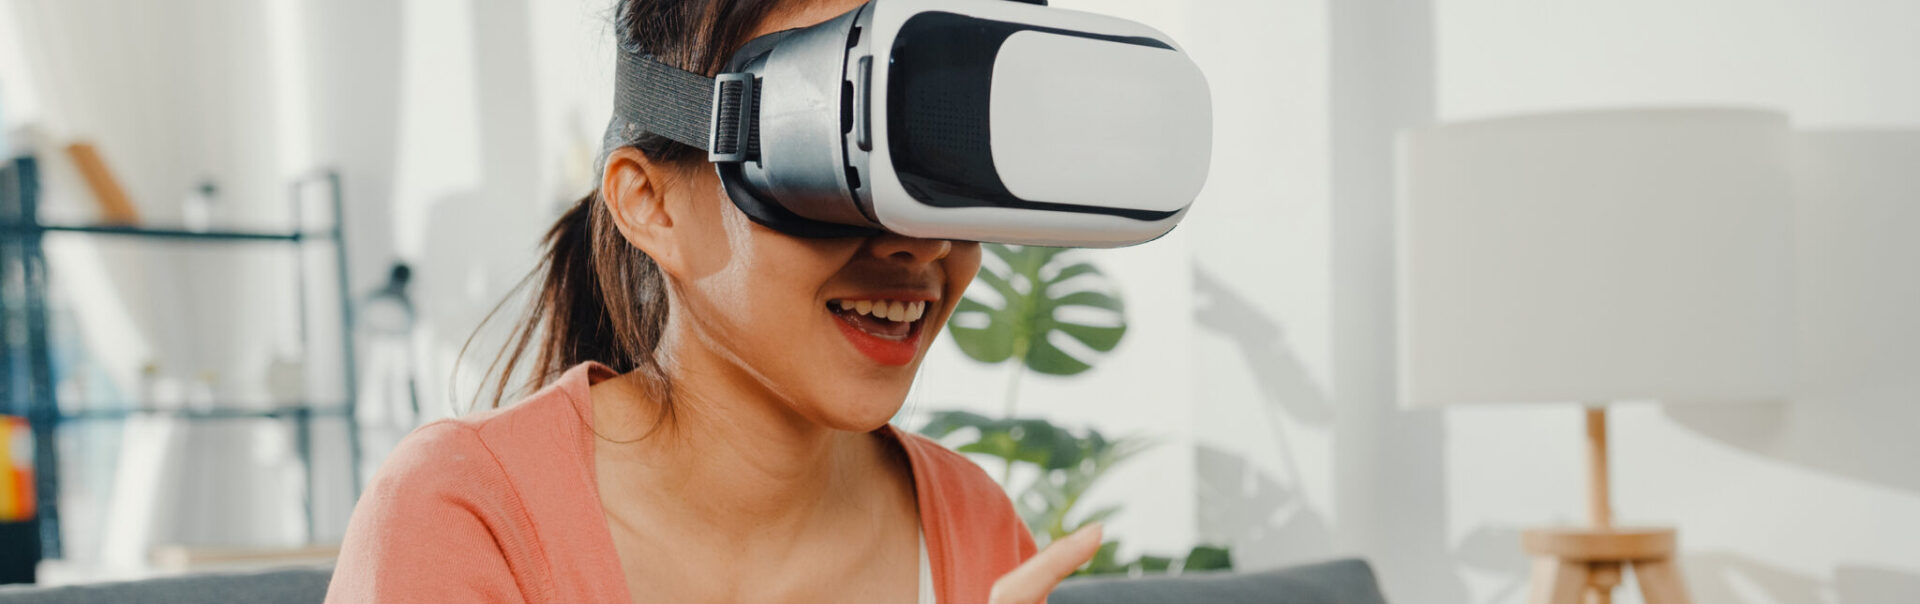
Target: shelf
{"type": "Point", "coordinates": [135, 231]}
{"type": "Point", "coordinates": [34, 372]}
{"type": "Point", "coordinates": [215, 413]}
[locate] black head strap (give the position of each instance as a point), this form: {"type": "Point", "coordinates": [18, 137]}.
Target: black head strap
{"type": "Point", "coordinates": [651, 96]}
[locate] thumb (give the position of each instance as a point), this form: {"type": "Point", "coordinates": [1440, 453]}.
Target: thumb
{"type": "Point", "coordinates": [1034, 580]}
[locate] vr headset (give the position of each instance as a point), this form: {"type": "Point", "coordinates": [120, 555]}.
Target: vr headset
{"type": "Point", "coordinates": [980, 120]}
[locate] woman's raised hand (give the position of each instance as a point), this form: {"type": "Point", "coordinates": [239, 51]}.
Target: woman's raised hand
{"type": "Point", "coordinates": [1035, 580]}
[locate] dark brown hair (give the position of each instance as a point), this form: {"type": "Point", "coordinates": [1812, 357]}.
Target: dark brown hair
{"type": "Point", "coordinates": [600, 298]}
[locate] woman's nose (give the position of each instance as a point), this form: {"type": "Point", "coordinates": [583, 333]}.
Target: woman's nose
{"type": "Point", "coordinates": [901, 248]}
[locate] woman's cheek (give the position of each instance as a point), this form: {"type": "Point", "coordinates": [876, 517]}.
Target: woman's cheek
{"type": "Point", "coordinates": [962, 264]}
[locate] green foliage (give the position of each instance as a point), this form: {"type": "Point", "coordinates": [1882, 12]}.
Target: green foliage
{"type": "Point", "coordinates": [1207, 557]}
{"type": "Point", "coordinates": [1200, 558]}
{"type": "Point", "coordinates": [1036, 282]}
{"type": "Point", "coordinates": [1068, 464]}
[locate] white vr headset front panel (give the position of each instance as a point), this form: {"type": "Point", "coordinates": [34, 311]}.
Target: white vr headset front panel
{"type": "Point", "coordinates": [1073, 117]}
{"type": "Point", "coordinates": [1061, 162]}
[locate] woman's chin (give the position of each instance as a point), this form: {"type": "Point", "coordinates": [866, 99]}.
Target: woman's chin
{"type": "Point", "coordinates": [859, 411]}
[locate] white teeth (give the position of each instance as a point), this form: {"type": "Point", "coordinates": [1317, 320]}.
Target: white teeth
{"type": "Point", "coordinates": [891, 310]}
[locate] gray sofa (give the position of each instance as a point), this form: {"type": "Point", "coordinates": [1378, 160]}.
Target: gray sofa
{"type": "Point", "coordinates": [303, 585]}
{"type": "Point", "coordinates": [1337, 582]}
{"type": "Point", "coordinates": [1340, 582]}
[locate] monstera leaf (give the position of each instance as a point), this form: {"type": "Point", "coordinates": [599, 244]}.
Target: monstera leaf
{"type": "Point", "coordinates": [1069, 463]}
{"type": "Point", "coordinates": [1034, 287]}
{"type": "Point", "coordinates": [1047, 312]}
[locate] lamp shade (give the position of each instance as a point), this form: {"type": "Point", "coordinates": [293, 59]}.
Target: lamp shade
{"type": "Point", "coordinates": [1596, 256]}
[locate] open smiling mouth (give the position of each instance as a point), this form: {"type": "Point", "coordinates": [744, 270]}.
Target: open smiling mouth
{"type": "Point", "coordinates": [886, 330]}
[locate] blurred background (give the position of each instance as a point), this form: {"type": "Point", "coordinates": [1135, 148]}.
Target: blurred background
{"type": "Point", "coordinates": [318, 200]}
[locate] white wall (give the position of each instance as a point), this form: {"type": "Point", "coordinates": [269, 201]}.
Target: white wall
{"type": "Point", "coordinates": [432, 108]}
{"type": "Point", "coordinates": [1845, 63]}
{"type": "Point", "coordinates": [1388, 461]}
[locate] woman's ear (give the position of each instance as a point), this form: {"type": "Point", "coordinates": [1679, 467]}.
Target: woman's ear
{"type": "Point", "coordinates": [635, 190]}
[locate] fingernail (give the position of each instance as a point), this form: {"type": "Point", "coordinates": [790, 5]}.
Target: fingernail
{"type": "Point", "coordinates": [1094, 529]}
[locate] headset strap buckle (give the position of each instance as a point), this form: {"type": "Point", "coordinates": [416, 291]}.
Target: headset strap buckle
{"type": "Point", "coordinates": [732, 133]}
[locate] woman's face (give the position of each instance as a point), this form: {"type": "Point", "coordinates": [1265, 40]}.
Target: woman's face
{"type": "Point", "coordinates": [835, 328]}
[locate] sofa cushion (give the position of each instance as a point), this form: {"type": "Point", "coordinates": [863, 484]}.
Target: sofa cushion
{"type": "Point", "coordinates": [284, 586]}
{"type": "Point", "coordinates": [1337, 582]}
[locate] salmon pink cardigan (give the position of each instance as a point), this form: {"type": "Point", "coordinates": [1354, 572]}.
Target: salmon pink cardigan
{"type": "Point", "coordinates": [502, 506]}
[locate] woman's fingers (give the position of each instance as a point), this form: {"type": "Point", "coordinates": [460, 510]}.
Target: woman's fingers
{"type": "Point", "coordinates": [1033, 581]}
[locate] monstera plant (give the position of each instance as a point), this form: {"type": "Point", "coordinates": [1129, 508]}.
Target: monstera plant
{"type": "Point", "coordinates": [1046, 311]}
{"type": "Point", "coordinates": [1033, 287]}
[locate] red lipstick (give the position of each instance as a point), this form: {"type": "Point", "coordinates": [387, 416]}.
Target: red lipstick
{"type": "Point", "coordinates": [887, 342]}
{"type": "Point", "coordinates": [881, 350]}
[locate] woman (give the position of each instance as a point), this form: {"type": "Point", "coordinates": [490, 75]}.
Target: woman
{"type": "Point", "coordinates": [711, 425]}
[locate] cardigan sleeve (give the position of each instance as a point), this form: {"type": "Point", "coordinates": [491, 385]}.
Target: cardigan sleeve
{"type": "Point", "coordinates": [437, 524]}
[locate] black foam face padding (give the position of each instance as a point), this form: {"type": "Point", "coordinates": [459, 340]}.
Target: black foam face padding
{"type": "Point", "coordinates": [773, 216]}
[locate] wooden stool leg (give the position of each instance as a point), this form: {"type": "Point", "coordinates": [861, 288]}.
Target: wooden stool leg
{"type": "Point", "coordinates": [1660, 582]}
{"type": "Point", "coordinates": [1557, 581]}
{"type": "Point", "coordinates": [1605, 576]}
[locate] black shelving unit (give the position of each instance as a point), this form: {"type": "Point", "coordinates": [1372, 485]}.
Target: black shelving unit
{"type": "Point", "coordinates": [26, 362]}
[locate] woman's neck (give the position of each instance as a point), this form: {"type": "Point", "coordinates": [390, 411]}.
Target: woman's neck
{"type": "Point", "coordinates": [732, 460]}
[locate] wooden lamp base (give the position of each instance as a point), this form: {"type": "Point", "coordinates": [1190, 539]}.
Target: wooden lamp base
{"type": "Point", "coordinates": [1576, 565]}
{"type": "Point", "coordinates": [1569, 565]}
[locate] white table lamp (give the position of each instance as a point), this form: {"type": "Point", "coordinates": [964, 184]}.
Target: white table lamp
{"type": "Point", "coordinates": [1593, 257]}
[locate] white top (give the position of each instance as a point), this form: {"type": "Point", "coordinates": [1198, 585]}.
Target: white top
{"type": "Point", "coordinates": [926, 573]}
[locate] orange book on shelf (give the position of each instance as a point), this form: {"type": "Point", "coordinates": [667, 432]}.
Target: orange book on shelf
{"type": "Point", "coordinates": [16, 469]}
{"type": "Point", "coordinates": [115, 206]}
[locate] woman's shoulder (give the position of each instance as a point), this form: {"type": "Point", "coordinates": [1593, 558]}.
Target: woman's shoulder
{"type": "Point", "coordinates": [947, 471]}
{"type": "Point", "coordinates": [509, 431]}
{"type": "Point", "coordinates": [482, 460]}
{"type": "Point", "coordinates": [539, 434]}
{"type": "Point", "coordinates": [957, 489]}
{"type": "Point", "coordinates": [473, 498]}
{"type": "Point", "coordinates": [473, 452]}
{"type": "Point", "coordinates": [445, 461]}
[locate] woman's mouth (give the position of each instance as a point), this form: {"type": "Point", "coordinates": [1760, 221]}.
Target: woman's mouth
{"type": "Point", "coordinates": [886, 330]}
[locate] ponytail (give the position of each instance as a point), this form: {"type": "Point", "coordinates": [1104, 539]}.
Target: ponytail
{"type": "Point", "coordinates": [599, 298]}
